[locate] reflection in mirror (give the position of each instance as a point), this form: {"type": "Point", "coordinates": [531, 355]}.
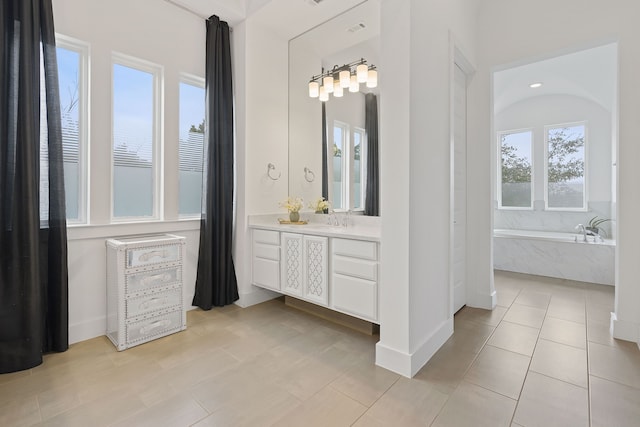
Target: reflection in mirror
{"type": "Point", "coordinates": [341, 129]}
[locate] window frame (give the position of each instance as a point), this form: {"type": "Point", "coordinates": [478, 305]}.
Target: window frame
{"type": "Point", "coordinates": [84, 147]}
{"type": "Point", "coordinates": [585, 187]}
{"type": "Point", "coordinates": [499, 135]}
{"type": "Point", "coordinates": [200, 82]}
{"type": "Point", "coordinates": [157, 156]}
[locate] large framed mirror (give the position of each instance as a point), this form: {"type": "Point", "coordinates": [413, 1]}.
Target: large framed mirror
{"type": "Point", "coordinates": [342, 129]}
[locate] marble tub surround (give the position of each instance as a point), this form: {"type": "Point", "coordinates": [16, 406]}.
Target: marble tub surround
{"type": "Point", "coordinates": [552, 220]}
{"type": "Point", "coordinates": [554, 255]}
{"type": "Point", "coordinates": [358, 227]}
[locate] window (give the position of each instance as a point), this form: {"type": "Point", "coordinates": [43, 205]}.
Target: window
{"type": "Point", "coordinates": [347, 167]}
{"type": "Point", "coordinates": [340, 134]}
{"type": "Point", "coordinates": [192, 111]}
{"type": "Point", "coordinates": [72, 58]}
{"type": "Point", "coordinates": [565, 167]}
{"type": "Point", "coordinates": [515, 174]}
{"type": "Point", "coordinates": [136, 91]}
{"type": "Point", "coordinates": [359, 171]}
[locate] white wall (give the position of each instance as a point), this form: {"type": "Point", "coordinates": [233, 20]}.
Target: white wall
{"type": "Point", "coordinates": [553, 28]}
{"type": "Point", "coordinates": [415, 305]}
{"type": "Point", "coordinates": [536, 113]}
{"type": "Point", "coordinates": [154, 31]}
{"type": "Point", "coordinates": [261, 89]}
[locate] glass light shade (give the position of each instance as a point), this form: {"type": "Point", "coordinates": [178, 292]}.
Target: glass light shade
{"type": "Point", "coordinates": [354, 86]}
{"type": "Point", "coordinates": [314, 89]}
{"type": "Point", "coordinates": [327, 83]}
{"type": "Point", "coordinates": [337, 91]}
{"type": "Point", "coordinates": [345, 78]}
{"type": "Point", "coordinates": [323, 95]}
{"type": "Point", "coordinates": [372, 80]}
{"type": "Point", "coordinates": [362, 71]}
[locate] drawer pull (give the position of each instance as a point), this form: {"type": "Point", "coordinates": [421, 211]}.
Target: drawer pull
{"type": "Point", "coordinates": [163, 277]}
{"type": "Point", "coordinates": [153, 302]}
{"type": "Point", "coordinates": [153, 254]}
{"type": "Point", "coordinates": [160, 324]}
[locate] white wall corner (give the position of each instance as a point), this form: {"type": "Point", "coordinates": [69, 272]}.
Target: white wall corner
{"type": "Point", "coordinates": [407, 364]}
{"type": "Point", "coordinates": [624, 330]}
{"type": "Point", "coordinates": [255, 296]}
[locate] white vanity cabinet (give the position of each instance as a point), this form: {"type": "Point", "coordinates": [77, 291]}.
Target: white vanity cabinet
{"type": "Point", "coordinates": [265, 259]}
{"type": "Point", "coordinates": [340, 273]}
{"type": "Point", "coordinates": [354, 277]}
{"type": "Point", "coordinates": [144, 288]}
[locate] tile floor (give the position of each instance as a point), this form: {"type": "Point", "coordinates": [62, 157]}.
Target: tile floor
{"type": "Point", "coordinates": [543, 357]}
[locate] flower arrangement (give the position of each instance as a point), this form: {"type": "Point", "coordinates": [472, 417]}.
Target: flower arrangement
{"type": "Point", "coordinates": [319, 205]}
{"type": "Point", "coordinates": [292, 204]}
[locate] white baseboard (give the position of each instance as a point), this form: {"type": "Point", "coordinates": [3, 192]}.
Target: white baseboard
{"type": "Point", "coordinates": [623, 330]}
{"type": "Point", "coordinates": [87, 329]}
{"type": "Point", "coordinates": [407, 364]}
{"type": "Point", "coordinates": [485, 301]}
{"type": "Point", "coordinates": [256, 296]}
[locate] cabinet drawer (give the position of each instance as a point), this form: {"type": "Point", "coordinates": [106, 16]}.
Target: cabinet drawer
{"type": "Point", "coordinates": [355, 248]}
{"type": "Point", "coordinates": [266, 236]}
{"type": "Point", "coordinates": [266, 273]}
{"type": "Point", "coordinates": [355, 296]}
{"type": "Point", "coordinates": [145, 304]}
{"type": "Point", "coordinates": [153, 327]}
{"type": "Point", "coordinates": [356, 267]}
{"type": "Point", "coordinates": [149, 280]}
{"type": "Point", "coordinates": [138, 257]}
{"type": "Point", "coordinates": [261, 250]}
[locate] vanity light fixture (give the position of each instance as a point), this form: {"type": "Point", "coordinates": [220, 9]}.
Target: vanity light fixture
{"type": "Point", "coordinates": [348, 76]}
{"type": "Point", "coordinates": [535, 85]}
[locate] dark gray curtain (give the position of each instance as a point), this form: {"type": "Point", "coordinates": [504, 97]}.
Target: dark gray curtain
{"type": "Point", "coordinates": [33, 250]}
{"type": "Point", "coordinates": [371, 202]}
{"type": "Point", "coordinates": [216, 283]}
{"type": "Point", "coordinates": [325, 153]}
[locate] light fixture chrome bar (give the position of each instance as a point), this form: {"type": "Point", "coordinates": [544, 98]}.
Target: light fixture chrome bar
{"type": "Point", "coordinates": [336, 69]}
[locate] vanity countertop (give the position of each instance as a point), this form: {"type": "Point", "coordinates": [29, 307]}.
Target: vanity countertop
{"type": "Point", "coordinates": [360, 228]}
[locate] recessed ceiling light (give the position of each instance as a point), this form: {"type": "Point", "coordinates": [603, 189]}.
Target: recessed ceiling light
{"type": "Point", "coordinates": [535, 85]}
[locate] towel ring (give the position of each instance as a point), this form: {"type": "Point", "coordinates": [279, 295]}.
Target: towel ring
{"type": "Point", "coordinates": [309, 176]}
{"type": "Point", "coordinates": [271, 167]}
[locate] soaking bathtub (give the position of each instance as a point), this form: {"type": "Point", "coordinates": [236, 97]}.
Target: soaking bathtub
{"type": "Point", "coordinates": [555, 254]}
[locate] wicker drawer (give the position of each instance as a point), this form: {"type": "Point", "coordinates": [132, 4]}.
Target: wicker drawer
{"type": "Point", "coordinates": [150, 255]}
{"type": "Point", "coordinates": [153, 327]}
{"type": "Point", "coordinates": [154, 279]}
{"type": "Point", "coordinates": [144, 304]}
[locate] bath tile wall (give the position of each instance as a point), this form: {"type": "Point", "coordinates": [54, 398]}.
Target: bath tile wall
{"type": "Point", "coordinates": [539, 219]}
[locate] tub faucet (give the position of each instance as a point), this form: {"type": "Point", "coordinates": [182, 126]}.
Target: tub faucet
{"type": "Point", "coordinates": [583, 230]}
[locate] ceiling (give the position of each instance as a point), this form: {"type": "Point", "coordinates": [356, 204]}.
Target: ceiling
{"type": "Point", "coordinates": [589, 74]}
{"type": "Point", "coordinates": [287, 18]}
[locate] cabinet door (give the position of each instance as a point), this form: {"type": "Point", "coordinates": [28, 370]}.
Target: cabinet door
{"type": "Point", "coordinates": [315, 264]}
{"type": "Point", "coordinates": [292, 263]}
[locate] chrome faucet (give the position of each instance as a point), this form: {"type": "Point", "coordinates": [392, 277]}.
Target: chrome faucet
{"type": "Point", "coordinates": [583, 230]}
{"type": "Point", "coordinates": [345, 218]}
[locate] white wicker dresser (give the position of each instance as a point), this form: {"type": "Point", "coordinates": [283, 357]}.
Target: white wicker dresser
{"type": "Point", "coordinates": [144, 288]}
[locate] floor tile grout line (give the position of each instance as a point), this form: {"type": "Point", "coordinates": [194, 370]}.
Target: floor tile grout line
{"type": "Point", "coordinates": [376, 401]}
{"type": "Point", "coordinates": [529, 365]}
